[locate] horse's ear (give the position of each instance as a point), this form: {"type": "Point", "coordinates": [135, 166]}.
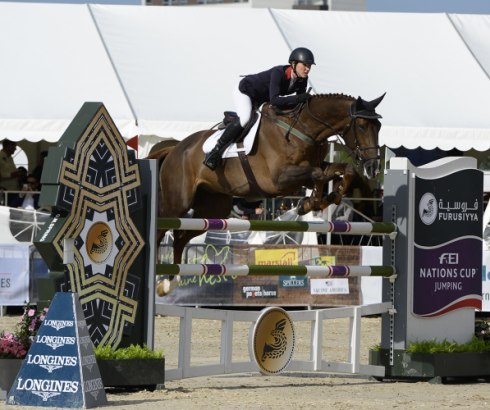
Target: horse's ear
{"type": "Point", "coordinates": [376, 102]}
{"type": "Point", "coordinates": [359, 104]}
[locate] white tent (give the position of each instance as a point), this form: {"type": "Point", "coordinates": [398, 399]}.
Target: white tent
{"type": "Point", "coordinates": [167, 72]}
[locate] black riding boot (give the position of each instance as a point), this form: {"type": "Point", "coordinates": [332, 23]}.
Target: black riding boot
{"type": "Point", "coordinates": [230, 135]}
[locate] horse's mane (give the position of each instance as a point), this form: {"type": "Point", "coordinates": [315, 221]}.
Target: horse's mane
{"type": "Point", "coordinates": [333, 97]}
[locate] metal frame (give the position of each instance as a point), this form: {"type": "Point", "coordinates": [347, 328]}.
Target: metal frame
{"type": "Point", "coordinates": [228, 317]}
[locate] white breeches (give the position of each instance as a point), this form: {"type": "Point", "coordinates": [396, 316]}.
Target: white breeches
{"type": "Point", "coordinates": [243, 106]}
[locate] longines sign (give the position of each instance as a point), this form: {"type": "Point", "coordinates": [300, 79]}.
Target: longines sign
{"type": "Point", "coordinates": [60, 369]}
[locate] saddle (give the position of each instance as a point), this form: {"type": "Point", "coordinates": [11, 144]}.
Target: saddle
{"type": "Point", "coordinates": [229, 116]}
{"type": "Point", "coordinates": [255, 191]}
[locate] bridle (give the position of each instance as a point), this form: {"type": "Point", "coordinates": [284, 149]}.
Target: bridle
{"type": "Point", "coordinates": [361, 156]}
{"type": "Point", "coordinates": [368, 115]}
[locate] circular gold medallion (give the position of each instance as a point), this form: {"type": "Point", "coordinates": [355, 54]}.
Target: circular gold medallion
{"type": "Point", "coordinates": [272, 341]}
{"type": "Point", "coordinates": [99, 242]}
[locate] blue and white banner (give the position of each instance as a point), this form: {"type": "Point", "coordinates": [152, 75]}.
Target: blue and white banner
{"type": "Point", "coordinates": [486, 281]}
{"type": "Point", "coordinates": [14, 274]}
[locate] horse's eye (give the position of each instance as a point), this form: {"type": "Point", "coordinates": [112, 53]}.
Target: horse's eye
{"type": "Point", "coordinates": [362, 127]}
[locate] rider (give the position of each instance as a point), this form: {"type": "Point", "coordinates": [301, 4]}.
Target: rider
{"type": "Point", "coordinates": [254, 90]}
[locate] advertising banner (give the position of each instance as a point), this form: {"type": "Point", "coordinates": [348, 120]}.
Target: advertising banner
{"type": "Point", "coordinates": [260, 290]}
{"type": "Point", "coordinates": [447, 244]}
{"type": "Point", "coordinates": [486, 282]}
{"type": "Point", "coordinates": [282, 257]}
{"type": "Point", "coordinates": [329, 286]}
{"type": "Point", "coordinates": [14, 275]}
{"type": "Point", "coordinates": [202, 290]}
{"type": "Point", "coordinates": [276, 257]}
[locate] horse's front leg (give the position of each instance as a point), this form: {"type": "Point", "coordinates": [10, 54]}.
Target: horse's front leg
{"type": "Point", "coordinates": [348, 172]}
{"type": "Point", "coordinates": [294, 176]}
{"type": "Point", "coordinates": [317, 201]}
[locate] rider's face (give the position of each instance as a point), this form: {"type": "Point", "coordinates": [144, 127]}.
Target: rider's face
{"type": "Point", "coordinates": [303, 69]}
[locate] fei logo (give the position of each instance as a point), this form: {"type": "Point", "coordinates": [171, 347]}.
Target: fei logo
{"type": "Point", "coordinates": [428, 208]}
{"type": "Point", "coordinates": [449, 258]}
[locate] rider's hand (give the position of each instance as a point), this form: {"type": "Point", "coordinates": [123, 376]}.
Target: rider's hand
{"type": "Point", "coordinates": [303, 97]}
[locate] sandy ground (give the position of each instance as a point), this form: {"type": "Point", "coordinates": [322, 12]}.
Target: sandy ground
{"type": "Point", "coordinates": [289, 390]}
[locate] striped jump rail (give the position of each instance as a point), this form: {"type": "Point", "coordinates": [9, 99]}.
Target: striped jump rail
{"type": "Point", "coordinates": [236, 225]}
{"type": "Point", "coordinates": [280, 270]}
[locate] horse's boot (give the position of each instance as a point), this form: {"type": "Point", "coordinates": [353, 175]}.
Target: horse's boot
{"type": "Point", "coordinates": [230, 135]}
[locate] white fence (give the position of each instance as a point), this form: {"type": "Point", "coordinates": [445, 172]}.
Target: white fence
{"type": "Point", "coordinates": [228, 317]}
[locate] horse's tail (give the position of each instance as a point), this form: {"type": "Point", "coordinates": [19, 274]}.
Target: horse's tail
{"type": "Point", "coordinates": [160, 155]}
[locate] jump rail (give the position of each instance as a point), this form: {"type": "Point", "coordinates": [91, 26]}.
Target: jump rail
{"type": "Point", "coordinates": [279, 270]}
{"type": "Point", "coordinates": [356, 228]}
{"type": "Point", "coordinates": [227, 317]}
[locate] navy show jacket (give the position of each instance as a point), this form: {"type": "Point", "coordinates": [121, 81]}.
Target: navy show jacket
{"type": "Point", "coordinates": [271, 85]}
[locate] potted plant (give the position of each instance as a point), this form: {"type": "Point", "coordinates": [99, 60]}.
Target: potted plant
{"type": "Point", "coordinates": [131, 367]}
{"type": "Point", "coordinates": [14, 346]}
{"type": "Point", "coordinates": [429, 359]}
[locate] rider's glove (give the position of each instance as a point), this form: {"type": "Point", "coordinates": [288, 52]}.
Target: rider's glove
{"type": "Point", "coordinates": [303, 97]}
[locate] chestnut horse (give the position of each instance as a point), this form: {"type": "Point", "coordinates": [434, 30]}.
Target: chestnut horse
{"type": "Point", "coordinates": [282, 162]}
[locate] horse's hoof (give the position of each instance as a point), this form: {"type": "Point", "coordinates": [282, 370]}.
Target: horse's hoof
{"type": "Point", "coordinates": [334, 197]}
{"type": "Point", "coordinates": [165, 287]}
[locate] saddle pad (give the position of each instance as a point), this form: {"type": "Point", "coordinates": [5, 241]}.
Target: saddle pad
{"type": "Point", "coordinates": [231, 151]}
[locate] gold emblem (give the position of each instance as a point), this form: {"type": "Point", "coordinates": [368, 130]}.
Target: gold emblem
{"type": "Point", "coordinates": [99, 242]}
{"type": "Point", "coordinates": [273, 341]}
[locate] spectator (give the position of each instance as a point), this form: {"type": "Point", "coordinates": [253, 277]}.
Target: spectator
{"type": "Point", "coordinates": [22, 178]}
{"type": "Point", "coordinates": [28, 199]}
{"type": "Point", "coordinates": [39, 169]}
{"type": "Point", "coordinates": [8, 171]}
{"type": "Point", "coordinates": [247, 210]}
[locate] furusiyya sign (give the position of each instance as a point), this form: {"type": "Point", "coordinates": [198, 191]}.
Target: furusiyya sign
{"type": "Point", "coordinates": [61, 369]}
{"type": "Point", "coordinates": [447, 244]}
{"type": "Point", "coordinates": [272, 341]}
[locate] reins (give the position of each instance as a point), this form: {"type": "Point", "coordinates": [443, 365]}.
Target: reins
{"type": "Point", "coordinates": [306, 137]}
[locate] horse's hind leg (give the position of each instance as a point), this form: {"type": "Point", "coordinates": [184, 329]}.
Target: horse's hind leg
{"type": "Point", "coordinates": [207, 205]}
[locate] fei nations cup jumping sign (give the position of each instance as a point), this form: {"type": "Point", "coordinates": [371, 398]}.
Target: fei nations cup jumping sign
{"type": "Point", "coordinates": [447, 243]}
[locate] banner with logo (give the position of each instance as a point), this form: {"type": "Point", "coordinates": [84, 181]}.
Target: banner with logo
{"type": "Point", "coordinates": [276, 257]}
{"type": "Point", "coordinates": [447, 243]}
{"type": "Point", "coordinates": [14, 274]}
{"type": "Point", "coordinates": [201, 290]}
{"type": "Point", "coordinates": [61, 369]}
{"type": "Point", "coordinates": [260, 290]}
{"type": "Point", "coordinates": [329, 286]}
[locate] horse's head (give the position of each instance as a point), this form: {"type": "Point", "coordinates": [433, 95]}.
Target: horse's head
{"type": "Point", "coordinates": [361, 134]}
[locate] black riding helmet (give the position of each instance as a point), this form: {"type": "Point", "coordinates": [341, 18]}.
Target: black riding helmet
{"type": "Point", "coordinates": [303, 55]}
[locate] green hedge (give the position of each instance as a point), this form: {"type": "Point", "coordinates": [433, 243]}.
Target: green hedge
{"type": "Point", "coordinates": [127, 353]}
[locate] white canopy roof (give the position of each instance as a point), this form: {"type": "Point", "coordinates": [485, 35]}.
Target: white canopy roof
{"type": "Point", "coordinates": [169, 71]}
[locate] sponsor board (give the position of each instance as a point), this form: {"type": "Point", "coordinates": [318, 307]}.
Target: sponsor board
{"type": "Point", "coordinates": [324, 260]}
{"type": "Point", "coordinates": [259, 292]}
{"type": "Point", "coordinates": [276, 257]}
{"type": "Point", "coordinates": [447, 250]}
{"type": "Point", "coordinates": [293, 282]}
{"type": "Point", "coordinates": [329, 286]}
{"type": "Point", "coordinates": [272, 341]}
{"type": "Point", "coordinates": [61, 369]}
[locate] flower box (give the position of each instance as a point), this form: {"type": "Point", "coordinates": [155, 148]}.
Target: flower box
{"type": "Point", "coordinates": [133, 373]}
{"type": "Point", "coordinates": [427, 366]}
{"type": "Point", "coordinates": [9, 368]}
